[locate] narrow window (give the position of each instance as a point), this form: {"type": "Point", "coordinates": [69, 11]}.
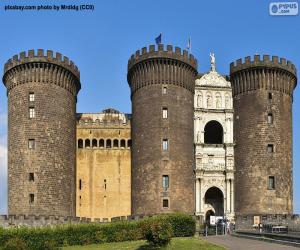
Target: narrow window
{"type": "Point", "coordinates": [108, 143]}
{"type": "Point", "coordinates": [165, 181]}
{"type": "Point", "coordinates": [31, 144]}
{"type": "Point", "coordinates": [270, 96]}
{"type": "Point", "coordinates": [31, 97]}
{"type": "Point", "coordinates": [80, 143]}
{"type": "Point", "coordinates": [165, 203]}
{"type": "Point", "coordinates": [80, 184]}
{"type": "Point", "coordinates": [80, 200]}
{"type": "Point", "coordinates": [165, 144]}
{"type": "Point", "coordinates": [116, 143]}
{"type": "Point", "coordinates": [271, 184]}
{"type": "Point", "coordinates": [31, 176]}
{"type": "Point", "coordinates": [105, 184]}
{"type": "Point", "coordinates": [101, 143]}
{"type": "Point", "coordinates": [165, 113]}
{"type": "Point", "coordinates": [31, 112]}
{"type": "Point", "coordinates": [270, 148]}
{"type": "Point", "coordinates": [31, 198]}
{"type": "Point", "coordinates": [87, 143]}
{"type": "Point", "coordinates": [164, 90]}
{"type": "Point", "coordinates": [94, 143]}
{"type": "Point", "coordinates": [129, 143]}
{"type": "Point", "coordinates": [123, 143]}
{"type": "Point", "coordinates": [270, 118]}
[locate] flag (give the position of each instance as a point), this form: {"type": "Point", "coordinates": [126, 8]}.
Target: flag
{"type": "Point", "coordinates": [189, 45]}
{"type": "Point", "coordinates": [158, 39]}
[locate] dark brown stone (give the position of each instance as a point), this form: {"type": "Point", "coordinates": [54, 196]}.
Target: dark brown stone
{"type": "Point", "coordinates": [55, 83]}
{"type": "Point", "coordinates": [252, 84]}
{"type": "Point", "coordinates": [147, 75]}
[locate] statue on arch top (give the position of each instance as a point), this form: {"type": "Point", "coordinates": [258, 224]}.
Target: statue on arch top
{"type": "Point", "coordinates": [212, 62]}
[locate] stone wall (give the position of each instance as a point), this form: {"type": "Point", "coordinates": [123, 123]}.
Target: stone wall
{"type": "Point", "coordinates": [246, 222]}
{"type": "Point", "coordinates": [162, 79]}
{"type": "Point", "coordinates": [263, 95]}
{"type": "Point", "coordinates": [41, 179]}
{"type": "Point", "coordinates": [103, 177]}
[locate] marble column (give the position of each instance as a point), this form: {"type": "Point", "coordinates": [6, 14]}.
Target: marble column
{"type": "Point", "coordinates": [228, 196]}
{"type": "Point", "coordinates": [198, 195]}
{"type": "Point", "coordinates": [232, 195]}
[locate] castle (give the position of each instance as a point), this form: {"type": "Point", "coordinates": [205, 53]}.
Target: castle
{"type": "Point", "coordinates": [203, 144]}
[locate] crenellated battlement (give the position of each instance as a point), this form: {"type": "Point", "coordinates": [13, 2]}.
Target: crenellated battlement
{"type": "Point", "coordinates": [266, 61]}
{"type": "Point", "coordinates": [42, 68]}
{"type": "Point", "coordinates": [107, 118]}
{"type": "Point", "coordinates": [8, 221]}
{"type": "Point", "coordinates": [160, 52]}
{"type": "Point", "coordinates": [41, 56]}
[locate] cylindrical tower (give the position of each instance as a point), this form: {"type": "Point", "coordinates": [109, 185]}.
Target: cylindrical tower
{"type": "Point", "coordinates": [263, 96]}
{"type": "Point", "coordinates": [42, 91]}
{"type": "Point", "coordinates": [162, 88]}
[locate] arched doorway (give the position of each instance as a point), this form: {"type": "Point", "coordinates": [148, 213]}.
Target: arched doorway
{"type": "Point", "coordinates": [207, 216]}
{"type": "Point", "coordinates": [214, 197]}
{"type": "Point", "coordinates": [213, 133]}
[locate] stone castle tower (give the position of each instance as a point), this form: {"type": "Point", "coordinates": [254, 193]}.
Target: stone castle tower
{"type": "Point", "coordinates": [42, 91]}
{"type": "Point", "coordinates": [263, 96]}
{"type": "Point", "coordinates": [162, 94]}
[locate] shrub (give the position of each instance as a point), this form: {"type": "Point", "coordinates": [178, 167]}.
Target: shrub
{"type": "Point", "coordinates": [14, 244]}
{"type": "Point", "coordinates": [82, 234]}
{"type": "Point", "coordinates": [183, 225]}
{"type": "Point", "coordinates": [159, 232]}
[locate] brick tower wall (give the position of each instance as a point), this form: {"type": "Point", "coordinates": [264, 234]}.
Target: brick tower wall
{"type": "Point", "coordinates": [262, 87]}
{"type": "Point", "coordinates": [149, 72]}
{"type": "Point", "coordinates": [55, 84]}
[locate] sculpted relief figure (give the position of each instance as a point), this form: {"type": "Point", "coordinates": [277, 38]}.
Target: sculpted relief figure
{"type": "Point", "coordinates": [199, 100]}
{"type": "Point", "coordinates": [227, 99]}
{"type": "Point", "coordinates": [209, 101]}
{"type": "Point", "coordinates": [218, 101]}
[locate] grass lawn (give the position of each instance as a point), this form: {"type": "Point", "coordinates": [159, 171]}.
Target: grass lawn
{"type": "Point", "coordinates": [176, 244]}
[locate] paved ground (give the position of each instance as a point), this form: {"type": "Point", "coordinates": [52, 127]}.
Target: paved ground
{"type": "Point", "coordinates": [237, 243]}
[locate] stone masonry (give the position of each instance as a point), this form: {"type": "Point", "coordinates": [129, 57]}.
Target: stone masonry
{"type": "Point", "coordinates": [42, 92]}
{"type": "Point", "coordinates": [168, 159]}
{"type": "Point", "coordinates": [263, 95]}
{"type": "Point", "coordinates": [103, 174]}
{"type": "Point", "coordinates": [162, 81]}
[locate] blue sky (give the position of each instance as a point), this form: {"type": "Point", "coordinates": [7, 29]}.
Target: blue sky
{"type": "Point", "coordinates": [100, 43]}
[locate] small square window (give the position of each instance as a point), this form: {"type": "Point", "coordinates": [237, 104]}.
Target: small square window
{"type": "Point", "coordinates": [270, 96]}
{"type": "Point", "coordinates": [31, 112]}
{"type": "Point", "coordinates": [31, 97]}
{"type": "Point", "coordinates": [165, 144]}
{"type": "Point", "coordinates": [31, 198]}
{"type": "Point", "coordinates": [165, 113]}
{"type": "Point", "coordinates": [271, 184]}
{"type": "Point", "coordinates": [165, 181]}
{"type": "Point", "coordinates": [270, 148]}
{"type": "Point", "coordinates": [270, 118]}
{"type": "Point", "coordinates": [31, 176]}
{"type": "Point", "coordinates": [164, 90]}
{"type": "Point", "coordinates": [31, 144]}
{"type": "Point", "coordinates": [165, 203]}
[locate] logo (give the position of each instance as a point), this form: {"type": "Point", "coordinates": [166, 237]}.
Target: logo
{"type": "Point", "coordinates": [283, 9]}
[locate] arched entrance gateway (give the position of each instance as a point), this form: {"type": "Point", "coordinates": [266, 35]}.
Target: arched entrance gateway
{"type": "Point", "coordinates": [214, 147]}
{"type": "Point", "coordinates": [214, 200]}
{"type": "Point", "coordinates": [207, 216]}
